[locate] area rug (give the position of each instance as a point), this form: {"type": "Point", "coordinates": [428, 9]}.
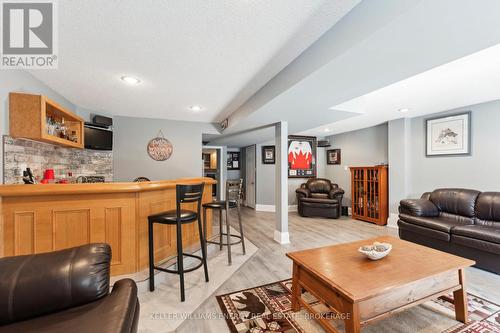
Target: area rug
{"type": "Point", "coordinates": [267, 308]}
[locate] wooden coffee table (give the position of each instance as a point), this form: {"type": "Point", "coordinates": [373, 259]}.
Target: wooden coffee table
{"type": "Point", "coordinates": [360, 290]}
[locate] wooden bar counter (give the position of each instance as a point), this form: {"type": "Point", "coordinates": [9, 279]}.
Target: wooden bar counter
{"type": "Point", "coordinates": [44, 218]}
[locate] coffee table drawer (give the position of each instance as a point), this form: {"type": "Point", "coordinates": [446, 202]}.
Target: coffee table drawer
{"type": "Point", "coordinates": [401, 297]}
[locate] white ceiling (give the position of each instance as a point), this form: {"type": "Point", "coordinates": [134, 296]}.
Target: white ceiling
{"type": "Point", "coordinates": [467, 81]}
{"type": "Point", "coordinates": [376, 45]}
{"type": "Point", "coordinates": [213, 53]}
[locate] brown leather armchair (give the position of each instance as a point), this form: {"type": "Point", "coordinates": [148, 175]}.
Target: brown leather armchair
{"type": "Point", "coordinates": [319, 197]}
{"type": "Point", "coordinates": [65, 291]}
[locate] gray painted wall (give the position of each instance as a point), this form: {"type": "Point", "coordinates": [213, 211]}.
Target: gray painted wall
{"type": "Point", "coordinates": [265, 187]}
{"type": "Point", "coordinates": [477, 171]}
{"type": "Point", "coordinates": [363, 147]}
{"type": "Point", "coordinates": [131, 136]}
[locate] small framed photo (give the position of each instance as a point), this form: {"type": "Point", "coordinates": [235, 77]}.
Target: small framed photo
{"type": "Point", "coordinates": [268, 154]}
{"type": "Point", "coordinates": [333, 156]}
{"type": "Point", "coordinates": [448, 135]}
{"type": "Point", "coordinates": [233, 160]}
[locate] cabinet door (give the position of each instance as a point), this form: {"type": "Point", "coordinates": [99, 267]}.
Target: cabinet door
{"type": "Point", "coordinates": [372, 194]}
{"type": "Point", "coordinates": [358, 188]}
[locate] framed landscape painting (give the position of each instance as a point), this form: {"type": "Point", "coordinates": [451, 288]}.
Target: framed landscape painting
{"type": "Point", "coordinates": [448, 135]}
{"type": "Point", "coordinates": [301, 156]}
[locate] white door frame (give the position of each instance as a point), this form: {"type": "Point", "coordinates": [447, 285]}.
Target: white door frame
{"type": "Point", "coordinates": [254, 177]}
{"type": "Point", "coordinates": [222, 162]}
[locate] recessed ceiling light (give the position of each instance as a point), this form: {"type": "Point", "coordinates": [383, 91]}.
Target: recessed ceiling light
{"type": "Point", "coordinates": [404, 110]}
{"type": "Point", "coordinates": [326, 130]}
{"type": "Point", "coordinates": [195, 108]}
{"type": "Point", "coordinates": [133, 81]}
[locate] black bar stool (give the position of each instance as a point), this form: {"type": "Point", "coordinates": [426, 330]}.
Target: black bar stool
{"type": "Point", "coordinates": [178, 217]}
{"type": "Point", "coordinates": [234, 190]}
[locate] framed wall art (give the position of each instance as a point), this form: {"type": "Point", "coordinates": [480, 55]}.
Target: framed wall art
{"type": "Point", "coordinates": [301, 157]}
{"type": "Point", "coordinates": [159, 148]}
{"type": "Point", "coordinates": [233, 160]}
{"type": "Point", "coordinates": [333, 156]}
{"type": "Point", "coordinates": [448, 135]}
{"type": "Point", "coordinates": [268, 154]}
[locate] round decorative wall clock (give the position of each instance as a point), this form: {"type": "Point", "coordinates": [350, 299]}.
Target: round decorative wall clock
{"type": "Point", "coordinates": [159, 148]}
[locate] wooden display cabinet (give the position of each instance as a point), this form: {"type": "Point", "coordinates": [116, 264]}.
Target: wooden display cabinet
{"type": "Point", "coordinates": [28, 116]}
{"type": "Point", "coordinates": [370, 194]}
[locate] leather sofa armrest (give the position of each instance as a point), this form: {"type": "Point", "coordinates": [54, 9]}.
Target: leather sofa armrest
{"type": "Point", "coordinates": [123, 300]}
{"type": "Point", "coordinates": [336, 193]}
{"type": "Point", "coordinates": [303, 193]}
{"type": "Point", "coordinates": [38, 284]}
{"type": "Point", "coordinates": [426, 195]}
{"type": "Point", "coordinates": [418, 207]}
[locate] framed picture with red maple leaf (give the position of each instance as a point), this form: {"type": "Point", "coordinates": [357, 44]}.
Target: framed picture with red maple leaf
{"type": "Point", "coordinates": [301, 156]}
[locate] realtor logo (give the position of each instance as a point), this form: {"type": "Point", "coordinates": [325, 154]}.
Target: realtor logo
{"type": "Point", "coordinates": [29, 34]}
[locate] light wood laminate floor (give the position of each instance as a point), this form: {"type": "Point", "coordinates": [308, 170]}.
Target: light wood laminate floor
{"type": "Point", "coordinates": [270, 264]}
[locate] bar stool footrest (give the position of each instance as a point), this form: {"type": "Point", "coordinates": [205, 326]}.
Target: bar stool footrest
{"type": "Point", "coordinates": [225, 244]}
{"type": "Point", "coordinates": [174, 271]}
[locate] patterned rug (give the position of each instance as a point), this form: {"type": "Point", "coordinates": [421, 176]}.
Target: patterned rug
{"type": "Point", "coordinates": [267, 308]}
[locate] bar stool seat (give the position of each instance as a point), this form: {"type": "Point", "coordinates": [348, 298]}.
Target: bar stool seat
{"type": "Point", "coordinates": [219, 204]}
{"type": "Point", "coordinates": [170, 216]}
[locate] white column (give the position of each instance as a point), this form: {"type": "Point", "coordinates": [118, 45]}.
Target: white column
{"type": "Point", "coordinates": [399, 131]}
{"type": "Point", "coordinates": [281, 140]}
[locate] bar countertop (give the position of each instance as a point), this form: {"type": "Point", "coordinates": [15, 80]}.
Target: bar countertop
{"type": "Point", "coordinates": [23, 190]}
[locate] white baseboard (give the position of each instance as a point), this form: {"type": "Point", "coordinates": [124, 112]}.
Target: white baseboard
{"type": "Point", "coordinates": [272, 208]}
{"type": "Point", "coordinates": [265, 208]}
{"type": "Point", "coordinates": [392, 221]}
{"type": "Point", "coordinates": [281, 237]}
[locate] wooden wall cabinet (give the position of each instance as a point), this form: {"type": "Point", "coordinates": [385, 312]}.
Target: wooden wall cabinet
{"type": "Point", "coordinates": [28, 116]}
{"type": "Point", "coordinates": [369, 194]}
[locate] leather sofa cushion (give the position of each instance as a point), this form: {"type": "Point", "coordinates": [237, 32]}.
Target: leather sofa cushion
{"type": "Point", "coordinates": [33, 285]}
{"type": "Point", "coordinates": [319, 185]}
{"type": "Point", "coordinates": [319, 195]}
{"type": "Point", "coordinates": [486, 233]}
{"type": "Point", "coordinates": [441, 223]}
{"type": "Point", "coordinates": [476, 243]}
{"type": "Point", "coordinates": [424, 231]}
{"type": "Point", "coordinates": [418, 207]}
{"type": "Point", "coordinates": [488, 209]}
{"type": "Point", "coordinates": [319, 203]}
{"type": "Point", "coordinates": [117, 312]}
{"type": "Point", "coordinates": [455, 201]}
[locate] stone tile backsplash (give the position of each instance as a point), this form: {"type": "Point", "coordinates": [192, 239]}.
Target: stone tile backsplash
{"type": "Point", "coordinates": [18, 154]}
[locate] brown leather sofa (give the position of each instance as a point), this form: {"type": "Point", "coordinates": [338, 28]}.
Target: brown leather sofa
{"type": "Point", "coordinates": [65, 291]}
{"type": "Point", "coordinates": [460, 221]}
{"type": "Point", "coordinates": [319, 197]}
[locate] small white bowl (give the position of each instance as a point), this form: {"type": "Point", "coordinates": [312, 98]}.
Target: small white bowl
{"type": "Point", "coordinates": [376, 255]}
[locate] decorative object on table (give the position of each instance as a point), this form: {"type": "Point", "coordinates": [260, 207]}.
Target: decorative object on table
{"type": "Point", "coordinates": [370, 195]}
{"type": "Point", "coordinates": [333, 156]}
{"type": "Point", "coordinates": [268, 154]}
{"type": "Point", "coordinates": [376, 251]}
{"type": "Point", "coordinates": [141, 180]}
{"type": "Point", "coordinates": [275, 301]}
{"type": "Point", "coordinates": [233, 160]}
{"type": "Point", "coordinates": [301, 156]}
{"type": "Point", "coordinates": [159, 148]}
{"type": "Point", "coordinates": [448, 135]}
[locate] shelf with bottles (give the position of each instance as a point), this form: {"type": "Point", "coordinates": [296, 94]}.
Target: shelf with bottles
{"type": "Point", "coordinates": [37, 117]}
